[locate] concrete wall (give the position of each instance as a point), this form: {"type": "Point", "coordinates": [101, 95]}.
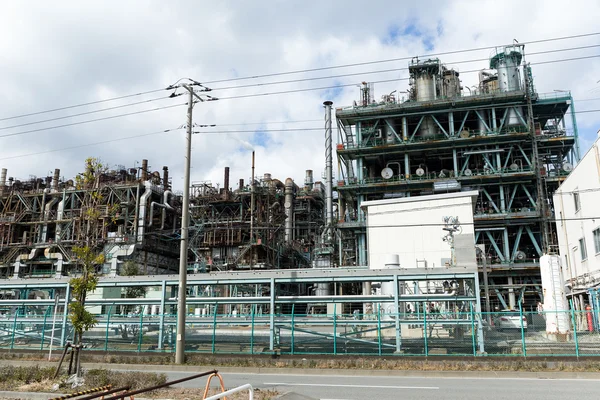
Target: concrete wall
{"type": "Point", "coordinates": [574, 224]}
{"type": "Point", "coordinates": [412, 228]}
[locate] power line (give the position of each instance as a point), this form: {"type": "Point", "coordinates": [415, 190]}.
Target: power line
{"type": "Point", "coordinates": [380, 81]}
{"type": "Point", "coordinates": [84, 113]}
{"type": "Point", "coordinates": [396, 59]}
{"type": "Point", "coordinates": [90, 144]}
{"type": "Point", "coordinates": [92, 120]}
{"type": "Point", "coordinates": [297, 72]}
{"type": "Point", "coordinates": [82, 104]}
{"type": "Point", "coordinates": [385, 70]}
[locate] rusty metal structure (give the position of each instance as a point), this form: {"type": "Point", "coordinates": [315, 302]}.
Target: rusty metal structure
{"type": "Point", "coordinates": [42, 219]}
{"type": "Point", "coordinates": [267, 224]}
{"type": "Point", "coordinates": [499, 137]}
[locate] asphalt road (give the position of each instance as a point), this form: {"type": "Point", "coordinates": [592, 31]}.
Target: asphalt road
{"type": "Point", "coordinates": [355, 387]}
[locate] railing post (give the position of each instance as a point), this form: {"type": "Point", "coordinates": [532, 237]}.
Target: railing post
{"type": "Point", "coordinates": [473, 329]}
{"type": "Point", "coordinates": [12, 341]}
{"type": "Point", "coordinates": [573, 321]}
{"type": "Point", "coordinates": [522, 330]}
{"type": "Point", "coordinates": [252, 330]}
{"type": "Point", "coordinates": [272, 317]}
{"type": "Point", "coordinates": [107, 327]}
{"type": "Point", "coordinates": [292, 330]}
{"type": "Point", "coordinates": [425, 329]}
{"type": "Point", "coordinates": [334, 332]}
{"type": "Point", "coordinates": [139, 348]}
{"type": "Point", "coordinates": [214, 332]}
{"type": "Point", "coordinates": [44, 327]}
{"type": "Point", "coordinates": [65, 315]}
{"type": "Point", "coordinates": [379, 329]}
{"type": "Point", "coordinates": [161, 327]}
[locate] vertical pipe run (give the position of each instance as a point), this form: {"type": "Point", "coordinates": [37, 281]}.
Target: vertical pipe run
{"type": "Point", "coordinates": [328, 167]}
{"type": "Point", "coordinates": [252, 203]}
{"type": "Point", "coordinates": [289, 209]}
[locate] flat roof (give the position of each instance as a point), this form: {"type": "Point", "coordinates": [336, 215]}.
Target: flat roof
{"type": "Point", "coordinates": [412, 199]}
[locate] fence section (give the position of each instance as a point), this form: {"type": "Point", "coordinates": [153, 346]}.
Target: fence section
{"type": "Point", "coordinates": [420, 333]}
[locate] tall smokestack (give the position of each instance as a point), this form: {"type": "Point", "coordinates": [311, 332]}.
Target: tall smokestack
{"type": "Point", "coordinates": [226, 183]}
{"type": "Point", "coordinates": [328, 167]}
{"type": "Point", "coordinates": [166, 178]}
{"type": "Point", "coordinates": [144, 170]}
{"type": "Point", "coordinates": [308, 180]}
{"type": "Point", "coordinates": [3, 180]}
{"type": "Point", "coordinates": [55, 179]}
{"type": "Point", "coordinates": [241, 184]}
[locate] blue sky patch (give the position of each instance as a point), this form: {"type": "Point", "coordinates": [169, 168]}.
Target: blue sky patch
{"type": "Point", "coordinates": [411, 31]}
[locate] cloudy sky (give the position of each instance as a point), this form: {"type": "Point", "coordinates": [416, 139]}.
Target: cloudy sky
{"type": "Point", "coordinates": [65, 53]}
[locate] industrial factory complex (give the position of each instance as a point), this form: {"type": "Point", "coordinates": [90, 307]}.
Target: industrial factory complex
{"type": "Point", "coordinates": [440, 214]}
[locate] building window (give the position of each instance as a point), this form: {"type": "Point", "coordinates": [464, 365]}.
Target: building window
{"type": "Point", "coordinates": [597, 240]}
{"type": "Point", "coordinates": [582, 249]}
{"type": "Point", "coordinates": [577, 201]}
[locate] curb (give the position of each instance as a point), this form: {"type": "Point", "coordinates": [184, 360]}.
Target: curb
{"type": "Point", "coordinates": [328, 372]}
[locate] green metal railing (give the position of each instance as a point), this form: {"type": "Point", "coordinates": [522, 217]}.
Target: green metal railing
{"type": "Point", "coordinates": [426, 332]}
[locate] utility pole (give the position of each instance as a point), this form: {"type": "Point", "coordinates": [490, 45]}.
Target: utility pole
{"type": "Point", "coordinates": [185, 223]}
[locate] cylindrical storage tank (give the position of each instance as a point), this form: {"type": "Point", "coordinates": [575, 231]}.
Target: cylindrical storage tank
{"type": "Point", "coordinates": [451, 84]}
{"type": "Point", "coordinates": [323, 289]}
{"type": "Point", "coordinates": [425, 88]}
{"type": "Point", "coordinates": [428, 127]}
{"type": "Point", "coordinates": [391, 261]}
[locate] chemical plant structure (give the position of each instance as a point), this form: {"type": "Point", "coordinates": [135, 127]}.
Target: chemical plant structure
{"type": "Point", "coordinates": [277, 265]}
{"type": "Point", "coordinates": [500, 138]}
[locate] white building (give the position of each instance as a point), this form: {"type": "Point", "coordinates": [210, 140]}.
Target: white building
{"type": "Point", "coordinates": [412, 228]}
{"type": "Point", "coordinates": [577, 213]}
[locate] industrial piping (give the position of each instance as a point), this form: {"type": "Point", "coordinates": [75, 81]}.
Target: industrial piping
{"type": "Point", "coordinates": [289, 209]}
{"type": "Point", "coordinates": [328, 172]}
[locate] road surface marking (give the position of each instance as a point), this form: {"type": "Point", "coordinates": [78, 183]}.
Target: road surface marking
{"type": "Point", "coordinates": [350, 386]}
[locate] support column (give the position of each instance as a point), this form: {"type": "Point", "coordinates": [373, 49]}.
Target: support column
{"type": "Point", "coordinates": [512, 302]}
{"type": "Point", "coordinates": [455, 160]}
{"type": "Point", "coordinates": [494, 123]}
{"type": "Point", "coordinates": [272, 317]}
{"type": "Point", "coordinates": [502, 200]}
{"type": "Point", "coordinates": [505, 244]}
{"type": "Point", "coordinates": [404, 129]}
{"type": "Point", "coordinates": [451, 123]}
{"type": "Point", "coordinates": [480, 340]}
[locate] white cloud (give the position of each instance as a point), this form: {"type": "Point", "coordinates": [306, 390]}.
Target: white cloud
{"type": "Point", "coordinates": [62, 53]}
